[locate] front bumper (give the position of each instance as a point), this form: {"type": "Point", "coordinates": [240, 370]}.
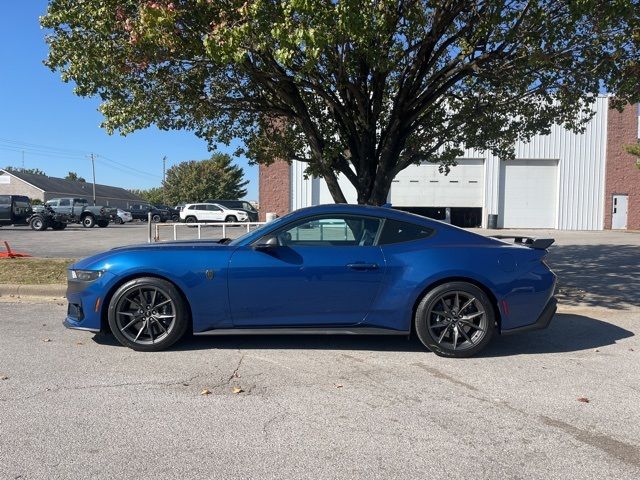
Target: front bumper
{"type": "Point", "coordinates": [85, 303]}
{"type": "Point", "coordinates": [542, 322]}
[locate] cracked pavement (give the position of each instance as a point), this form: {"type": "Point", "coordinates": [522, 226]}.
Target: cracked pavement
{"type": "Point", "coordinates": [319, 407]}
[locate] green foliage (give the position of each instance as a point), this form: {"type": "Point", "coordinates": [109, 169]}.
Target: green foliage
{"type": "Point", "coordinates": [362, 88]}
{"type": "Point", "coordinates": [36, 201]}
{"type": "Point", "coordinates": [73, 176]}
{"type": "Point", "coordinates": [195, 181]}
{"type": "Point", "coordinates": [33, 171]}
{"type": "Point", "coordinates": [154, 195]}
{"type": "Point", "coordinates": [634, 150]}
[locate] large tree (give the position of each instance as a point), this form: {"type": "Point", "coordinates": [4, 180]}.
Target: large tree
{"type": "Point", "coordinates": [195, 181]}
{"type": "Point", "coordinates": [361, 88]}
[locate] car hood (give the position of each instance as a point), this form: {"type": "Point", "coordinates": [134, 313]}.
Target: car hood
{"type": "Point", "coordinates": [99, 260]}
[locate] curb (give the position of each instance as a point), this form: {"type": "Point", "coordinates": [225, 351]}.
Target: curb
{"type": "Point", "coordinates": [47, 291]}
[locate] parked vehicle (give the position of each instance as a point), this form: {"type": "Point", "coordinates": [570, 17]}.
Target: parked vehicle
{"type": "Point", "coordinates": [78, 210]}
{"type": "Point", "coordinates": [243, 205]}
{"type": "Point", "coordinates": [46, 217]}
{"type": "Point", "coordinates": [174, 214]}
{"type": "Point", "coordinates": [140, 211]}
{"type": "Point", "coordinates": [211, 212]}
{"type": "Point", "coordinates": [339, 269]}
{"type": "Point", "coordinates": [14, 210]}
{"type": "Point", "coordinates": [122, 216]}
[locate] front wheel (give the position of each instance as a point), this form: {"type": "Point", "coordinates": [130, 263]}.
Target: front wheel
{"type": "Point", "coordinates": [455, 319]}
{"type": "Point", "coordinates": [38, 224]}
{"type": "Point", "coordinates": [89, 221]}
{"type": "Point", "coordinates": [231, 219]}
{"type": "Point", "coordinates": [118, 221]}
{"type": "Point", "coordinates": [103, 223]}
{"type": "Point", "coordinates": [59, 226]}
{"type": "Point", "coordinates": [148, 314]}
{"type": "Point", "coordinates": [156, 218]}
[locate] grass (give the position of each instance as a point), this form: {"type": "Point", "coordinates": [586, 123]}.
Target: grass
{"type": "Point", "coordinates": [34, 271]}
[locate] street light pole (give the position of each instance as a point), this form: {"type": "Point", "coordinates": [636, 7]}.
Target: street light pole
{"type": "Point", "coordinates": [93, 166]}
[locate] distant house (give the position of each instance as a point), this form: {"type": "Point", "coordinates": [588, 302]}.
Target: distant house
{"type": "Point", "coordinates": [45, 188]}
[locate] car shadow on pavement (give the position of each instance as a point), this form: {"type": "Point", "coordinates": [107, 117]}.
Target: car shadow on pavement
{"type": "Point", "coordinates": [567, 333]}
{"type": "Point", "coordinates": [597, 275]}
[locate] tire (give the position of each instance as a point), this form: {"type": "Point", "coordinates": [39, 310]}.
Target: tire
{"type": "Point", "coordinates": [38, 224]}
{"type": "Point", "coordinates": [103, 223]}
{"type": "Point", "coordinates": [152, 333]}
{"type": "Point", "coordinates": [231, 219]}
{"type": "Point", "coordinates": [156, 218]}
{"type": "Point", "coordinates": [88, 221]}
{"type": "Point", "coordinates": [118, 221]}
{"type": "Point", "coordinates": [191, 219]}
{"type": "Point", "coordinates": [59, 226]}
{"type": "Point", "coordinates": [455, 328]}
{"type": "Point", "coordinates": [175, 218]}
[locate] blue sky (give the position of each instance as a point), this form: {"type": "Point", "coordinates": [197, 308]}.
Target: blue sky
{"type": "Point", "coordinates": [40, 115]}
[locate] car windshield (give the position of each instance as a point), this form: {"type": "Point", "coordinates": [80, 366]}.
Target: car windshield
{"type": "Point", "coordinates": [257, 231]}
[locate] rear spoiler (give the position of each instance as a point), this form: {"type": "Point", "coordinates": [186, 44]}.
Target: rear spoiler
{"type": "Point", "coordinates": [537, 243]}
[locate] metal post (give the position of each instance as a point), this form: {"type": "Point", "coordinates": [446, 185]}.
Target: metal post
{"type": "Point", "coordinates": [175, 231]}
{"type": "Point", "coordinates": [150, 227]}
{"type": "Point", "coordinates": [248, 226]}
{"type": "Point", "coordinates": [157, 237]}
{"type": "Point", "coordinates": [224, 230]}
{"type": "Point", "coordinates": [199, 231]}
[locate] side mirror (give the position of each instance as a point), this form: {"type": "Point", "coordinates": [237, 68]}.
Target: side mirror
{"type": "Point", "coordinates": [266, 243]}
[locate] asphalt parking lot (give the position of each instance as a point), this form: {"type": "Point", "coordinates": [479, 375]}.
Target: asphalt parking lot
{"type": "Point", "coordinates": [76, 405]}
{"type": "Point", "coordinates": [560, 403]}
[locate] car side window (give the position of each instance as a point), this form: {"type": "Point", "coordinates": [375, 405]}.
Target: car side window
{"type": "Point", "coordinates": [395, 231]}
{"type": "Point", "coordinates": [330, 231]}
{"type": "Point", "coordinates": [213, 208]}
{"type": "Point", "coordinates": [65, 202]}
{"type": "Point", "coordinates": [52, 203]}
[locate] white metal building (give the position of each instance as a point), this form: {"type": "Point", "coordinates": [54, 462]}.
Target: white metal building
{"type": "Point", "coordinates": [556, 181]}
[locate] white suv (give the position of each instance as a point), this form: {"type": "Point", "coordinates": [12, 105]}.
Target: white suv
{"type": "Point", "coordinates": [211, 212]}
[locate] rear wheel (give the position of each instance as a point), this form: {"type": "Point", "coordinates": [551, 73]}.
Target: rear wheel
{"type": "Point", "coordinates": [118, 221]}
{"type": "Point", "coordinates": [103, 223]}
{"type": "Point", "coordinates": [455, 319]}
{"type": "Point", "coordinates": [156, 218]}
{"type": "Point", "coordinates": [89, 221]}
{"type": "Point", "coordinates": [148, 314]}
{"type": "Point", "coordinates": [191, 219]}
{"type": "Point", "coordinates": [38, 224]}
{"type": "Point", "coordinates": [59, 226]}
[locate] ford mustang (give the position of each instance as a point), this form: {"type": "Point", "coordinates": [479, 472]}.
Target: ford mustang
{"type": "Point", "coordinates": [331, 269]}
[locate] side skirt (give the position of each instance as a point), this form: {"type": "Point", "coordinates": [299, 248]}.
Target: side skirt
{"type": "Point", "coordinates": [304, 331]}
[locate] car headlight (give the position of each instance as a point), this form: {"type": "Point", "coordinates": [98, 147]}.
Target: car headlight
{"type": "Point", "coordinates": [83, 275]}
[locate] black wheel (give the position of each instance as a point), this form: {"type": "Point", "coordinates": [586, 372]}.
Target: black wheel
{"type": "Point", "coordinates": [156, 218]}
{"type": "Point", "coordinates": [118, 221]}
{"type": "Point", "coordinates": [455, 320]}
{"type": "Point", "coordinates": [103, 223]}
{"type": "Point", "coordinates": [89, 221]}
{"type": "Point", "coordinates": [231, 219]}
{"type": "Point", "coordinates": [191, 219]}
{"type": "Point", "coordinates": [148, 314]}
{"type": "Point", "coordinates": [38, 224]}
{"type": "Point", "coordinates": [175, 218]}
{"type": "Point", "coordinates": [59, 226]}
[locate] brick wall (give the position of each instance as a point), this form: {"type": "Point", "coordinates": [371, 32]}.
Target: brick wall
{"type": "Point", "coordinates": [19, 187]}
{"type": "Point", "coordinates": [275, 189]}
{"type": "Point", "coordinates": [622, 175]}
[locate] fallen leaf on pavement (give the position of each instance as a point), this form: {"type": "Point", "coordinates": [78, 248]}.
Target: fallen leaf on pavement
{"type": "Point", "coordinates": [583, 400]}
{"type": "Point", "coordinates": [237, 390]}
{"type": "Point", "coordinates": [338, 385]}
{"type": "Point", "coordinates": [631, 350]}
{"type": "Point", "coordinates": [205, 392]}
{"type": "Point", "coordinates": [596, 350]}
{"type": "Point", "coordinates": [79, 343]}
{"type": "Point", "coordinates": [46, 340]}
{"type": "Point", "coordinates": [4, 377]}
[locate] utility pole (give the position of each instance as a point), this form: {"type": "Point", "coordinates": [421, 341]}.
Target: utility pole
{"type": "Point", "coordinates": [22, 159]}
{"type": "Point", "coordinates": [164, 169]}
{"type": "Point", "coordinates": [93, 167]}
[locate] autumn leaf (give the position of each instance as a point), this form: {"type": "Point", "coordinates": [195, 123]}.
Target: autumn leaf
{"type": "Point", "coordinates": [4, 377]}
{"type": "Point", "coordinates": [205, 392]}
{"type": "Point", "coordinates": [583, 400]}
{"type": "Point", "coordinates": [237, 390]}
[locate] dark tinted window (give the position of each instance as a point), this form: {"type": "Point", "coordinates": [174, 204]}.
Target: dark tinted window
{"type": "Point", "coordinates": [395, 231]}
{"type": "Point", "coordinates": [5, 200]}
{"type": "Point", "coordinates": [65, 202]}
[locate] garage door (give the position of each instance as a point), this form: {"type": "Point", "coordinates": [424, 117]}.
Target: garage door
{"type": "Point", "coordinates": [529, 192]}
{"type": "Point", "coordinates": [425, 186]}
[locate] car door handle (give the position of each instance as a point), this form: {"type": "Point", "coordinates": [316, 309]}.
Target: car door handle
{"type": "Point", "coordinates": [362, 266]}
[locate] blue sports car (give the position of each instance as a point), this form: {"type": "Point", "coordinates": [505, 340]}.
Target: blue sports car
{"type": "Point", "coordinates": [331, 269]}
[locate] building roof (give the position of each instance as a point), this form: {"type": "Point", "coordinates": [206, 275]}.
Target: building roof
{"type": "Point", "coordinates": [70, 188]}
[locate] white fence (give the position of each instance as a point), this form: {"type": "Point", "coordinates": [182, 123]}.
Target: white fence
{"type": "Point", "coordinates": [178, 226]}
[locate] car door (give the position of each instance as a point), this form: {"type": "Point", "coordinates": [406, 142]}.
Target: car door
{"type": "Point", "coordinates": [5, 209]}
{"type": "Point", "coordinates": [324, 271]}
{"type": "Point", "coordinates": [215, 213]}
{"type": "Point", "coordinates": [64, 206]}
